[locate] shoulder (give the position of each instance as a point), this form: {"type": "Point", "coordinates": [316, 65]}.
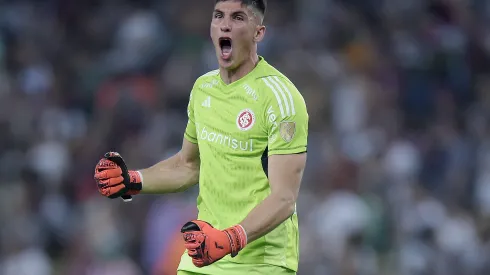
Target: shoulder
{"type": "Point", "coordinates": [206, 80]}
{"type": "Point", "coordinates": [277, 87]}
{"type": "Point", "coordinates": [281, 97]}
{"type": "Point", "coordinates": [270, 78]}
{"type": "Point", "coordinates": [210, 74]}
{"type": "Point", "coordinates": [208, 77]}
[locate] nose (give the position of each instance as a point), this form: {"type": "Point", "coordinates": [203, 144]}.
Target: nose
{"type": "Point", "coordinates": [225, 25]}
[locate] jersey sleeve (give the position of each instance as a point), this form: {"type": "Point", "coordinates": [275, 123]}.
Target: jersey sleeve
{"type": "Point", "coordinates": [286, 120]}
{"type": "Point", "coordinates": [190, 131]}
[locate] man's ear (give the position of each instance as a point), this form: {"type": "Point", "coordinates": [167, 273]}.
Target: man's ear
{"type": "Point", "coordinates": [259, 33]}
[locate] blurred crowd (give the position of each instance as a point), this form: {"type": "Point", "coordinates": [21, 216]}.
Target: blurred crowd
{"type": "Point", "coordinates": [398, 92]}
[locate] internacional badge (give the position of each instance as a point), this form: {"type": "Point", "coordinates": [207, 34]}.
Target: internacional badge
{"type": "Point", "coordinates": [287, 129]}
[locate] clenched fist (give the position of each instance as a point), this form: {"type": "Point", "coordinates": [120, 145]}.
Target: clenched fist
{"type": "Point", "coordinates": [114, 179]}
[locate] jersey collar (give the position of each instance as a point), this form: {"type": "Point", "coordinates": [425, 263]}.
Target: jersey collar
{"type": "Point", "coordinates": [246, 77]}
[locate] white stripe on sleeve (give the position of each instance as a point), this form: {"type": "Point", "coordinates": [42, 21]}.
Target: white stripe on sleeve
{"type": "Point", "coordinates": [277, 96]}
{"type": "Point", "coordinates": [293, 111]}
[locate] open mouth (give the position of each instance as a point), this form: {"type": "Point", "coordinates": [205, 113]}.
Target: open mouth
{"type": "Point", "coordinates": [225, 45]}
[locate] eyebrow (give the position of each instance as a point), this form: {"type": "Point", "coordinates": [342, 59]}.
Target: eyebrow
{"type": "Point", "coordinates": [233, 13]}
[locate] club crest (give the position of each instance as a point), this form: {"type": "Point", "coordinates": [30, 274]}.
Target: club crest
{"type": "Point", "coordinates": [245, 120]}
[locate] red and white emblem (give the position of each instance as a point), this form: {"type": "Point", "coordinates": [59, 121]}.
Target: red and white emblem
{"type": "Point", "coordinates": [245, 120]}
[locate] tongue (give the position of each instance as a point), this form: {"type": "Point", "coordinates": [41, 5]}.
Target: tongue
{"type": "Point", "coordinates": [226, 51]}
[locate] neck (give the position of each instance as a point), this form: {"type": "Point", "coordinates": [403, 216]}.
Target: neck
{"type": "Point", "coordinates": [231, 75]}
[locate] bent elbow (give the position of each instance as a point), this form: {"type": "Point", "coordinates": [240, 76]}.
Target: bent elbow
{"type": "Point", "coordinates": [291, 209]}
{"type": "Point", "coordinates": [288, 202]}
{"type": "Point", "coordinates": [195, 177]}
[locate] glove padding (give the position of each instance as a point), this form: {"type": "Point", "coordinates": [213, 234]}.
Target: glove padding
{"type": "Point", "coordinates": [114, 179]}
{"type": "Point", "coordinates": [206, 244]}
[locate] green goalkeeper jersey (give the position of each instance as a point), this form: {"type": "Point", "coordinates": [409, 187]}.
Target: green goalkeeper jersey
{"type": "Point", "coordinates": [236, 127]}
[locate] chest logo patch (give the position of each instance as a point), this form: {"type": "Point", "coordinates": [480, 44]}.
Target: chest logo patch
{"type": "Point", "coordinates": [245, 120]}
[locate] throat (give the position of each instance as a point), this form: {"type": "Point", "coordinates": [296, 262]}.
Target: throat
{"type": "Point", "coordinates": [230, 75]}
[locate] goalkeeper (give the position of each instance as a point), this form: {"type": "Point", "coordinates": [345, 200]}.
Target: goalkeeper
{"type": "Point", "coordinates": [245, 144]}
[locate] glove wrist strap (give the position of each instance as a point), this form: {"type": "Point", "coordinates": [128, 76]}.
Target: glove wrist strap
{"type": "Point", "coordinates": [135, 181]}
{"type": "Point", "coordinates": [238, 239]}
{"type": "Point", "coordinates": [244, 235]}
{"type": "Point", "coordinates": [141, 178]}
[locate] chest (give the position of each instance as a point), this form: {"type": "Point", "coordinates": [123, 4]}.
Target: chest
{"type": "Point", "coordinates": [230, 120]}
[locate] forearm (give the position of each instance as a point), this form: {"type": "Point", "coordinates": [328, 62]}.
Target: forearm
{"type": "Point", "coordinates": [169, 176]}
{"type": "Point", "coordinates": [266, 216]}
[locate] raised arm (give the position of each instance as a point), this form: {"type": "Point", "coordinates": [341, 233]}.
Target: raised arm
{"type": "Point", "coordinates": [174, 174]}
{"type": "Point", "coordinates": [285, 173]}
{"type": "Point", "coordinates": [288, 138]}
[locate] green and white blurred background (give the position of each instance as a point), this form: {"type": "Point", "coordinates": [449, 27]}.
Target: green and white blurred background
{"type": "Point", "coordinates": [398, 176]}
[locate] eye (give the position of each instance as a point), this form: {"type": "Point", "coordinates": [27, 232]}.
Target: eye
{"type": "Point", "coordinates": [239, 17]}
{"type": "Point", "coordinates": [218, 15]}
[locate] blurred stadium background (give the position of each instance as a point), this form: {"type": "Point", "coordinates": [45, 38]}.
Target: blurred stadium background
{"type": "Point", "coordinates": [398, 177]}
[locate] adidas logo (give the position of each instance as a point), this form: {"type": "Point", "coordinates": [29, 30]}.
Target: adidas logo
{"type": "Point", "coordinates": [207, 102]}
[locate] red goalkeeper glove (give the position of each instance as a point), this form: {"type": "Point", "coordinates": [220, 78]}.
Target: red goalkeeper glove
{"type": "Point", "coordinates": [206, 244]}
{"type": "Point", "coordinates": [114, 179]}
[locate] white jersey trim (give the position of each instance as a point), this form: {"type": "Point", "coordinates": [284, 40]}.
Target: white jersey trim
{"type": "Point", "coordinates": [288, 112]}
{"type": "Point", "coordinates": [293, 111]}
{"type": "Point", "coordinates": [279, 102]}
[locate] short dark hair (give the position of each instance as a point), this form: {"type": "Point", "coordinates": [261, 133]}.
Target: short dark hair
{"type": "Point", "coordinates": [260, 5]}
